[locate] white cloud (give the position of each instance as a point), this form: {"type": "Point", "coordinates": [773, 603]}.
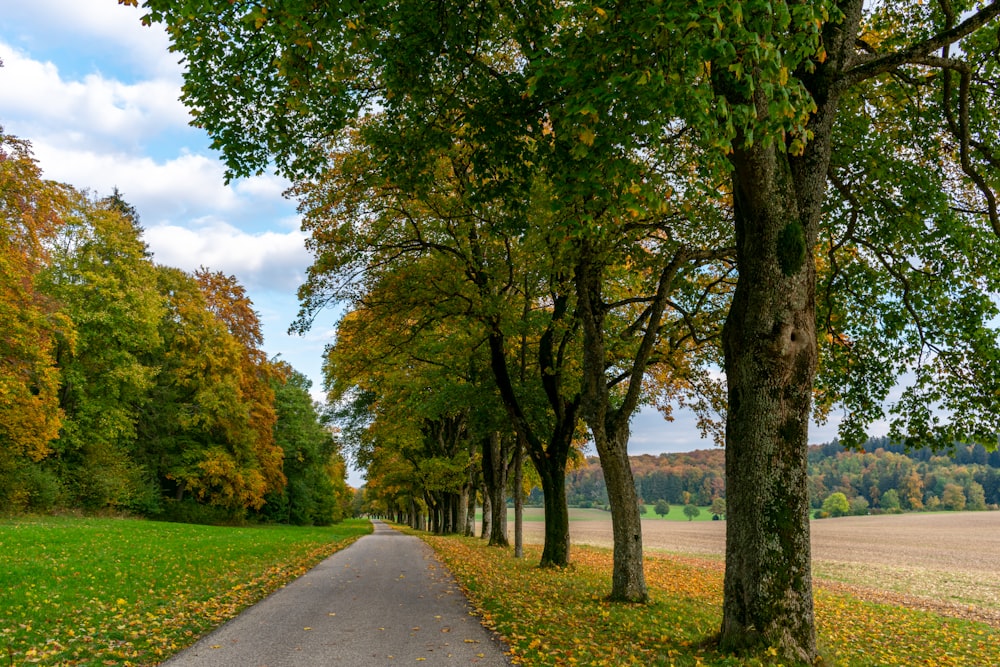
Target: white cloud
{"type": "Point", "coordinates": [181, 185]}
{"type": "Point", "coordinates": [265, 186]}
{"type": "Point", "coordinates": [94, 26]}
{"type": "Point", "coordinates": [92, 113]}
{"type": "Point", "coordinates": [269, 261]}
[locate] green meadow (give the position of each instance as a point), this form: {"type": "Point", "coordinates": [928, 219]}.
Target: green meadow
{"type": "Point", "coordinates": [94, 591]}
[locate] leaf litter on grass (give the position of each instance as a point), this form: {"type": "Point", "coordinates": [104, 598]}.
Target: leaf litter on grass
{"type": "Point", "coordinates": [124, 592]}
{"type": "Point", "coordinates": [561, 617]}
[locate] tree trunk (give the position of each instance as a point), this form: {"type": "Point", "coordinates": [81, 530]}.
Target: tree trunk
{"type": "Point", "coordinates": [609, 425]}
{"type": "Point", "coordinates": [457, 514]}
{"type": "Point", "coordinates": [462, 516]}
{"type": "Point", "coordinates": [487, 515]}
{"type": "Point", "coordinates": [495, 471]}
{"type": "Point", "coordinates": [519, 498]}
{"type": "Point", "coordinates": [769, 341]}
{"type": "Point", "coordinates": [470, 512]}
{"type": "Point", "coordinates": [555, 552]}
{"type": "Point", "coordinates": [628, 579]}
{"type": "Point", "coordinates": [549, 457]}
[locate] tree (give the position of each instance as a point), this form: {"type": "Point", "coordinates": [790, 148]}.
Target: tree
{"type": "Point", "coordinates": [977, 497]}
{"type": "Point", "coordinates": [31, 212]}
{"type": "Point", "coordinates": [719, 507]}
{"type": "Point", "coordinates": [228, 301]}
{"type": "Point", "coordinates": [691, 511]}
{"type": "Point", "coordinates": [912, 489]}
{"type": "Point", "coordinates": [413, 389]}
{"type": "Point", "coordinates": [316, 492]}
{"type": "Point", "coordinates": [836, 504]}
{"type": "Point", "coordinates": [485, 271]}
{"type": "Point", "coordinates": [859, 506]}
{"type": "Point", "coordinates": [890, 501]}
{"type": "Point", "coordinates": [953, 497]}
{"type": "Point", "coordinates": [201, 436]}
{"type": "Point", "coordinates": [661, 507]}
{"type": "Point", "coordinates": [103, 278]}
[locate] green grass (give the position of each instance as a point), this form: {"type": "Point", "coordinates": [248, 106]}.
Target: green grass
{"type": "Point", "coordinates": [677, 514]}
{"type": "Point", "coordinates": [83, 591]}
{"type": "Point", "coordinates": [561, 617]}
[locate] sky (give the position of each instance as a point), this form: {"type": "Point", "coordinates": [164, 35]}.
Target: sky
{"type": "Point", "coordinates": [96, 93]}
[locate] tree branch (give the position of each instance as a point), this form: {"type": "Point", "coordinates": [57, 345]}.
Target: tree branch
{"type": "Point", "coordinates": [874, 66]}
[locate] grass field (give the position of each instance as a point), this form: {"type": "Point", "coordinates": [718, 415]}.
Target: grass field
{"type": "Point", "coordinates": [560, 617]}
{"type": "Point", "coordinates": [124, 592]}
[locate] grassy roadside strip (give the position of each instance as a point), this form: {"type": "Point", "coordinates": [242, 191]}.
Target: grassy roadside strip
{"type": "Point", "coordinates": [84, 591]}
{"type": "Point", "coordinates": [559, 617]}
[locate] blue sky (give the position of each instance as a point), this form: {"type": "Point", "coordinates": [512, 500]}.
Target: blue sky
{"type": "Point", "coordinates": [97, 95]}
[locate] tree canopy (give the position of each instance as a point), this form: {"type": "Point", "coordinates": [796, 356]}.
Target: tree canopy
{"type": "Point", "coordinates": [850, 147]}
{"type": "Point", "coordinates": [130, 386]}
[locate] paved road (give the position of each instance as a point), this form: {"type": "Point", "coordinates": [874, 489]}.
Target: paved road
{"type": "Point", "coordinates": [385, 600]}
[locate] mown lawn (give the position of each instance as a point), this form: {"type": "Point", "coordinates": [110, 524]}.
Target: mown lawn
{"type": "Point", "coordinates": [560, 617]}
{"type": "Point", "coordinates": [84, 591]}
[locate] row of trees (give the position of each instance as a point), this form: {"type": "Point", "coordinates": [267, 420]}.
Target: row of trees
{"type": "Point", "coordinates": [888, 481]}
{"type": "Point", "coordinates": [871, 479]}
{"type": "Point", "coordinates": [127, 385]}
{"type": "Point", "coordinates": [602, 204]}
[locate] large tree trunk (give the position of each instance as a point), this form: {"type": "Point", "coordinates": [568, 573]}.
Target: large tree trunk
{"type": "Point", "coordinates": [555, 552]}
{"type": "Point", "coordinates": [770, 349]}
{"type": "Point", "coordinates": [462, 515]}
{"type": "Point", "coordinates": [414, 515]}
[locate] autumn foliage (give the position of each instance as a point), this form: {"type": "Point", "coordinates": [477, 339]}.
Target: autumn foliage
{"type": "Point", "coordinates": [131, 386]}
{"type": "Point", "coordinates": [29, 209]}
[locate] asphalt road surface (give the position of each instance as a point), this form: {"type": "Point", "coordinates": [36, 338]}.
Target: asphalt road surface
{"type": "Point", "coordinates": [385, 600]}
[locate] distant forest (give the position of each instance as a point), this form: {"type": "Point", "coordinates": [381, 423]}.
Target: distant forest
{"type": "Point", "coordinates": [885, 477]}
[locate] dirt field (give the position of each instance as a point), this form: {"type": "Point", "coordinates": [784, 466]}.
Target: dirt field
{"type": "Point", "coordinates": [949, 562]}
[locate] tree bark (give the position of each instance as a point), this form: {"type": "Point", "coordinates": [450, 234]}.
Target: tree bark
{"type": "Point", "coordinates": [769, 341]}
{"type": "Point", "coordinates": [628, 578]}
{"type": "Point", "coordinates": [462, 514]}
{"type": "Point", "coordinates": [555, 552]}
{"type": "Point", "coordinates": [470, 517]}
{"type": "Point", "coordinates": [487, 515]}
{"type": "Point", "coordinates": [770, 347]}
{"type": "Point", "coordinates": [495, 472]}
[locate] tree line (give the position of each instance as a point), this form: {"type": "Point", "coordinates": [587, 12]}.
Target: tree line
{"type": "Point", "coordinates": [880, 477]}
{"type": "Point", "coordinates": [130, 386]}
{"type": "Point", "coordinates": [540, 215]}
